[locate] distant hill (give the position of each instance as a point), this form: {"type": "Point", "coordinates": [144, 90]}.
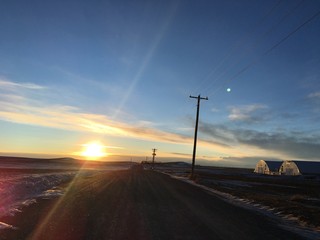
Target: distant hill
{"type": "Point", "coordinates": [6, 161]}
{"type": "Point", "coordinates": [34, 160]}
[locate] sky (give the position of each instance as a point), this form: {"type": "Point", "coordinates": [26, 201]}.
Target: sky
{"type": "Point", "coordinates": [120, 73]}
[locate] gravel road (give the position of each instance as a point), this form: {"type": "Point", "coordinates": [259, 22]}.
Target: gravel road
{"type": "Point", "coordinates": [135, 204]}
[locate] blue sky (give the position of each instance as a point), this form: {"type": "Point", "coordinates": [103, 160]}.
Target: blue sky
{"type": "Point", "coordinates": [121, 72]}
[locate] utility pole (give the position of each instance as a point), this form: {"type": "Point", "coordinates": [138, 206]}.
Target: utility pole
{"type": "Point", "coordinates": [153, 156]}
{"type": "Point", "coordinates": [196, 133]}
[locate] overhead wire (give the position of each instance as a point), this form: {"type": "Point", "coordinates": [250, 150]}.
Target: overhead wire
{"type": "Point", "coordinates": [256, 42]}
{"type": "Point", "coordinates": [238, 45]}
{"type": "Point", "coordinates": [256, 60]}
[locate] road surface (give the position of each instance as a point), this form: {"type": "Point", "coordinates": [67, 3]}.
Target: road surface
{"type": "Point", "coordinates": [129, 205]}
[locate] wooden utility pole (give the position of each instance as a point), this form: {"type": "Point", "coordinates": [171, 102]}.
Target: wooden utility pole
{"type": "Point", "coordinates": [196, 133]}
{"type": "Point", "coordinates": [153, 156]}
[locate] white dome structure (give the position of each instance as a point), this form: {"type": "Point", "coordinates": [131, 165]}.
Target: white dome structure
{"type": "Point", "coordinates": [289, 168]}
{"type": "Point", "coordinates": [268, 167]}
{"type": "Point", "coordinates": [300, 168]}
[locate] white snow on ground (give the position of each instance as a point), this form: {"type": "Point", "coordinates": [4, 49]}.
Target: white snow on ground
{"type": "Point", "coordinates": [4, 226]}
{"type": "Point", "coordinates": [20, 190]}
{"type": "Point", "coordinates": [52, 193]}
{"type": "Point", "coordinates": [288, 222]}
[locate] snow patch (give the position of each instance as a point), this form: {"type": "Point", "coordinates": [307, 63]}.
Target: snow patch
{"type": "Point", "coordinates": [18, 191]}
{"type": "Point", "coordinates": [51, 193]}
{"type": "Point", "coordinates": [29, 202]}
{"type": "Point", "coordinates": [7, 226]}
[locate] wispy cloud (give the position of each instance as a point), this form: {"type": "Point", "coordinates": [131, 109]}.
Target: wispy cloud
{"type": "Point", "coordinates": [215, 110]}
{"type": "Point", "coordinates": [219, 132]}
{"type": "Point", "coordinates": [18, 107]}
{"type": "Point", "coordinates": [22, 108]}
{"type": "Point", "coordinates": [248, 113]}
{"type": "Point", "coordinates": [314, 95]}
{"type": "Point", "coordinates": [181, 154]}
{"type": "Point", "coordinates": [9, 85]}
{"type": "Point", "coordinates": [276, 143]}
{"type": "Point", "coordinates": [314, 98]}
{"type": "Point", "coordinates": [297, 145]}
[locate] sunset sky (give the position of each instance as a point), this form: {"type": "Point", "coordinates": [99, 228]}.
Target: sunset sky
{"type": "Point", "coordinates": [119, 73]}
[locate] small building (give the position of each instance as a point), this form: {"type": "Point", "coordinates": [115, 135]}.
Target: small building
{"type": "Point", "coordinates": [268, 167]}
{"type": "Point", "coordinates": [300, 168]}
{"type": "Point", "coordinates": [289, 168]}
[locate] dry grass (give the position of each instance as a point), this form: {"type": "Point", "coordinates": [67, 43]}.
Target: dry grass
{"type": "Point", "coordinates": [297, 197]}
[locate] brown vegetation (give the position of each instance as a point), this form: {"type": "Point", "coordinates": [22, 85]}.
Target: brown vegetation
{"type": "Point", "coordinates": [294, 197]}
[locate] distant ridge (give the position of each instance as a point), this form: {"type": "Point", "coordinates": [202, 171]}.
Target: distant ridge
{"type": "Point", "coordinates": [177, 163]}
{"type": "Point", "coordinates": [29, 159]}
{"type": "Point", "coordinates": [66, 160]}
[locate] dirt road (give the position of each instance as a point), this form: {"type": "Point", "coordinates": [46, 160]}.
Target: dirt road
{"type": "Point", "coordinates": [131, 205]}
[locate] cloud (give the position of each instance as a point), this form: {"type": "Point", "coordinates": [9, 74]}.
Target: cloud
{"type": "Point", "coordinates": [295, 144]}
{"type": "Point", "coordinates": [8, 85]}
{"type": "Point", "coordinates": [220, 133]}
{"type": "Point", "coordinates": [314, 99]}
{"type": "Point", "coordinates": [253, 113]}
{"type": "Point", "coordinates": [71, 118]}
{"type": "Point", "coordinates": [280, 143]}
{"type": "Point", "coordinates": [314, 95]}
{"type": "Point", "coordinates": [24, 107]}
{"type": "Point", "coordinates": [243, 162]}
{"type": "Point", "coordinates": [182, 154]}
{"type": "Point", "coordinates": [215, 110]}
{"type": "Point", "coordinates": [19, 105]}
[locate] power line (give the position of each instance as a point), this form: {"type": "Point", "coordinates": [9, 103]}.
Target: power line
{"type": "Point", "coordinates": [239, 44]}
{"type": "Point", "coordinates": [269, 50]}
{"type": "Point", "coordinates": [257, 41]}
{"type": "Point", "coordinates": [293, 32]}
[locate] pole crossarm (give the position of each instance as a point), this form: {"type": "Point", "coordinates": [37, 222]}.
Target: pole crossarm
{"type": "Point", "coordinates": [196, 133]}
{"type": "Point", "coordinates": [201, 98]}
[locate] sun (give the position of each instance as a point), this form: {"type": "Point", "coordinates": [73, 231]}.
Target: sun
{"type": "Point", "coordinates": [94, 150]}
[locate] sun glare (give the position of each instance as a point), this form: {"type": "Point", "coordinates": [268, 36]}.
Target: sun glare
{"type": "Point", "coordinates": [94, 150]}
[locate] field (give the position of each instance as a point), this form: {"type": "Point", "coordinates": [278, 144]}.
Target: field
{"type": "Point", "coordinates": [95, 194]}
{"type": "Point", "coordinates": [295, 199]}
{"type": "Point", "coordinates": [26, 182]}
